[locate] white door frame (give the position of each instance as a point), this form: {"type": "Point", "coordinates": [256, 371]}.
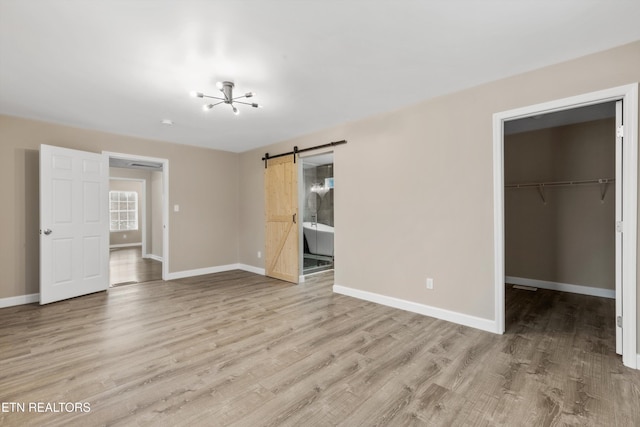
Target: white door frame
{"type": "Point", "coordinates": [300, 222]}
{"type": "Point", "coordinates": [629, 95]}
{"type": "Point", "coordinates": [165, 201]}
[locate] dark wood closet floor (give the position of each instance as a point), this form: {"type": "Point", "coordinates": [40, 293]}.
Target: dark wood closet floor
{"type": "Point", "coordinates": [241, 349]}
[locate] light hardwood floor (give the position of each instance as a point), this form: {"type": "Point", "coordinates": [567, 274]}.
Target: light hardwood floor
{"type": "Point", "coordinates": [240, 349]}
{"type": "Point", "coordinates": [126, 266]}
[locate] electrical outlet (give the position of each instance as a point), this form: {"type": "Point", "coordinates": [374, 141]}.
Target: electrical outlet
{"type": "Point", "coordinates": [429, 283]}
{"type": "Point", "coordinates": [259, 254]}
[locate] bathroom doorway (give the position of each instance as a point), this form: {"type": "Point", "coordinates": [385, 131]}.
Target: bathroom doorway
{"type": "Point", "coordinates": [316, 206]}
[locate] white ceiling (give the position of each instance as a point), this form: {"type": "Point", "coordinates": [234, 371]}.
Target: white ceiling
{"type": "Point", "coordinates": [123, 66]}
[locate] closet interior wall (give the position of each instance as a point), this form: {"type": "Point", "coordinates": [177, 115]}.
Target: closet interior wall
{"type": "Point", "coordinates": [569, 237]}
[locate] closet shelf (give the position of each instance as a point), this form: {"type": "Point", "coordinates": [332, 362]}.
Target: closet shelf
{"type": "Point", "coordinates": [603, 182]}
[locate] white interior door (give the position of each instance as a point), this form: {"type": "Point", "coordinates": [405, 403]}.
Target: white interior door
{"type": "Point", "coordinates": [74, 227]}
{"type": "Point", "coordinates": [619, 219]}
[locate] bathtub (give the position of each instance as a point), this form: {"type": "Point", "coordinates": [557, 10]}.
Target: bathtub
{"type": "Point", "coordinates": [319, 238]}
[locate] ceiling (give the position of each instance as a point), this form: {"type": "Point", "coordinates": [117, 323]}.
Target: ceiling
{"type": "Point", "coordinates": [124, 66]}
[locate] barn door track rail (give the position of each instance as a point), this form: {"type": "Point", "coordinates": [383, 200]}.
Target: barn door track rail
{"type": "Point", "coordinates": [296, 151]}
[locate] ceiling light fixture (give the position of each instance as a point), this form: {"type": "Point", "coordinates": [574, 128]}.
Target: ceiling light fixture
{"type": "Point", "coordinates": [227, 91]}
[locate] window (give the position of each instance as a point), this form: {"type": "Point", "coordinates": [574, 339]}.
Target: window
{"type": "Point", "coordinates": [123, 210]}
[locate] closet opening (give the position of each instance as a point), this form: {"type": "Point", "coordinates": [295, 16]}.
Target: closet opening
{"type": "Point", "coordinates": [560, 216]}
{"type": "Point", "coordinates": [560, 200]}
{"type": "Point", "coordinates": [565, 210]}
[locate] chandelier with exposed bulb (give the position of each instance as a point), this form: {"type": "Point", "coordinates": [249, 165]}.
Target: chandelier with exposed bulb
{"type": "Point", "coordinates": [227, 91]}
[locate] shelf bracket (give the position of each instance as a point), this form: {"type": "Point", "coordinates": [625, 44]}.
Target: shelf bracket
{"type": "Point", "coordinates": [542, 193]}
{"type": "Point", "coordinates": [604, 185]}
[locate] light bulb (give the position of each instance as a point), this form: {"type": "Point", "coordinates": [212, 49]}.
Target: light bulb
{"type": "Point", "coordinates": [249, 94]}
{"type": "Point", "coordinates": [235, 110]}
{"type": "Point", "coordinates": [219, 85]}
{"type": "Point", "coordinates": [254, 105]}
{"type": "Point", "coordinates": [195, 94]}
{"type": "Point", "coordinates": [207, 107]}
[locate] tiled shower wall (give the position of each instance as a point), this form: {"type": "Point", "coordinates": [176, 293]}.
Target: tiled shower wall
{"type": "Point", "coordinates": [323, 205]}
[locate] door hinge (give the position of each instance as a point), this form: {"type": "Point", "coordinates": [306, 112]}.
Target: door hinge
{"type": "Point", "coordinates": [619, 321]}
{"type": "Point", "coordinates": [620, 131]}
{"type": "Point", "coordinates": [619, 226]}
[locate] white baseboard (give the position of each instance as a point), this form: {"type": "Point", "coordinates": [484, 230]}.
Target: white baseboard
{"type": "Point", "coordinates": [251, 269]}
{"type": "Point", "coordinates": [563, 287]}
{"type": "Point", "coordinates": [19, 300]}
{"type": "Point", "coordinates": [31, 298]}
{"type": "Point", "coordinates": [217, 269]}
{"type": "Point", "coordinates": [125, 245]}
{"type": "Point", "coordinates": [201, 271]}
{"type": "Point", "coordinates": [438, 313]}
{"type": "Point", "coordinates": [153, 257]}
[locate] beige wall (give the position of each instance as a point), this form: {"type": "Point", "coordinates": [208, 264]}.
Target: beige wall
{"type": "Point", "coordinates": [571, 238]}
{"type": "Point", "coordinates": [203, 182]}
{"type": "Point", "coordinates": [433, 162]}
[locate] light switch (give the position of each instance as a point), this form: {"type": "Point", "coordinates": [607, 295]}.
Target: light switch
{"type": "Point", "coordinates": [176, 208]}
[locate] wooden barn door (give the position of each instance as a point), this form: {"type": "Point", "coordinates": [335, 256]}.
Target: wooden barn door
{"type": "Point", "coordinates": [281, 211]}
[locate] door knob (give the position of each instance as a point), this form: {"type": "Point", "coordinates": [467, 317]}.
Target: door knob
{"type": "Point", "coordinates": [48, 231]}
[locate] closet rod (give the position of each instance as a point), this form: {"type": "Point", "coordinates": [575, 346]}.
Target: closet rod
{"type": "Point", "coordinates": [561, 183]}
{"type": "Point", "coordinates": [603, 182]}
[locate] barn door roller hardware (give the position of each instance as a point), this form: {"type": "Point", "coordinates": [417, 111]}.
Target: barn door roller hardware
{"type": "Point", "coordinates": [296, 151]}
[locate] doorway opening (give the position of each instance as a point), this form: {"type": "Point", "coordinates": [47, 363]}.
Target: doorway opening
{"type": "Point", "coordinates": [130, 214]}
{"type": "Point", "coordinates": [317, 207]}
{"type": "Point", "coordinates": [560, 200]}
{"type": "Point", "coordinates": [138, 210]}
{"type": "Point", "coordinates": [625, 224]}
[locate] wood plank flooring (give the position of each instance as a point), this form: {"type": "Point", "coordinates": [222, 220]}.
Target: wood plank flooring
{"type": "Point", "coordinates": [240, 349]}
{"type": "Point", "coordinates": [126, 266]}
